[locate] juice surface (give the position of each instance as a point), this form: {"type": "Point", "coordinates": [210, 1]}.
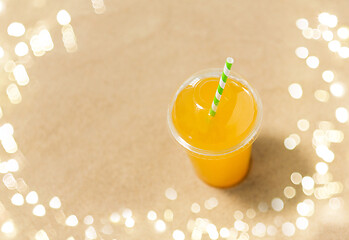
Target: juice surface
{"type": "Point", "coordinates": [233, 122]}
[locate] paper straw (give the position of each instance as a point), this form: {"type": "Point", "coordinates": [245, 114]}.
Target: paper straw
{"type": "Point", "coordinates": [221, 86]}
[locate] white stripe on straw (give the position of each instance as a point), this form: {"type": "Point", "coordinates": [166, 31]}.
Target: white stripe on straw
{"type": "Point", "coordinates": [226, 70]}
{"type": "Point", "coordinates": [214, 107]}
{"type": "Point", "coordinates": [218, 96]}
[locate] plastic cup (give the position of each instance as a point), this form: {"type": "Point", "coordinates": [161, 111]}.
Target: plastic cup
{"type": "Point", "coordinates": [227, 167]}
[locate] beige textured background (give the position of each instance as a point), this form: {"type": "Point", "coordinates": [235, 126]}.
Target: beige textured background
{"type": "Point", "coordinates": [91, 127]}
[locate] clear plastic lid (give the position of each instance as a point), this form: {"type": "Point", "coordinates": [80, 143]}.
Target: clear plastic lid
{"type": "Point", "coordinates": [209, 73]}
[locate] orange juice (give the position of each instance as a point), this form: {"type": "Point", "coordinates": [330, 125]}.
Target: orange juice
{"type": "Point", "coordinates": [220, 146]}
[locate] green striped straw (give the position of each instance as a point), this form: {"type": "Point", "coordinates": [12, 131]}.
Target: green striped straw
{"type": "Point", "coordinates": [221, 86]}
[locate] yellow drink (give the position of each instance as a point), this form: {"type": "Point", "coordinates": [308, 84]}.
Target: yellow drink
{"type": "Point", "coordinates": [220, 146]}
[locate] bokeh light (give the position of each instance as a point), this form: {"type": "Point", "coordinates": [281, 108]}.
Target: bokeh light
{"type": "Point", "coordinates": [316, 34]}
{"type": "Point", "coordinates": [12, 165]}
{"type": "Point", "coordinates": [98, 6]}
{"type": "Point", "coordinates": [46, 40]}
{"type": "Point", "coordinates": [328, 76]}
{"type": "Point", "coordinates": [195, 208]}
{"type": "Point", "coordinates": [115, 217]}
{"type": "Point", "coordinates": [342, 115]}
{"type": "Point", "coordinates": [152, 216]}
{"type": "Point", "coordinates": [302, 23]}
{"type": "Point", "coordinates": [343, 52]}
{"type": "Point", "coordinates": [289, 192]}
{"type": "Point", "coordinates": [72, 221]}
{"type": "Point", "coordinates": [302, 223]}
{"type": "Point", "coordinates": [17, 199]}
{"type": "Point", "coordinates": [238, 215]}
{"type": "Point", "coordinates": [6, 130]}
{"type": "Point", "coordinates": [343, 33]}
{"type": "Point", "coordinates": [129, 222]}
{"type": "Point", "coordinates": [327, 19]}
{"type": "Point", "coordinates": [160, 226]}
{"type": "Point", "coordinates": [178, 235]}
{"type": "Point", "coordinates": [295, 137]}
{"type": "Point", "coordinates": [168, 215]}
{"type": "Point", "coordinates": [88, 220]}
{"type": "Point", "coordinates": [302, 52]}
{"type": "Point", "coordinates": [325, 153]}
{"type": "Point", "coordinates": [307, 33]}
{"type": "Point", "coordinates": [13, 93]}
{"type": "Point", "coordinates": [303, 209]}
{"type": "Point", "coordinates": [259, 230]}
{"type": "Point", "coordinates": [244, 236]}
{"type": "Point", "coordinates": [335, 136]}
{"type": "Point", "coordinates": [295, 90]}
{"type": "Point", "coordinates": [32, 197]}
{"type": "Point", "coordinates": [308, 183]}
{"type": "Point", "coordinates": [296, 178]}
{"type": "Point", "coordinates": [9, 144]}
{"type": "Point", "coordinates": [250, 213]}
{"type": "Point", "coordinates": [39, 210]}
{"type": "Point", "coordinates": [21, 49]}
{"type": "Point", "coordinates": [55, 203]}
{"type": "Point", "coordinates": [334, 46]}
{"type": "Point", "coordinates": [9, 181]}
{"type": "Point", "coordinates": [211, 203]}
{"type": "Point", "coordinates": [290, 143]}
{"type": "Point", "coordinates": [321, 168]}
{"type": "Point", "coordinates": [41, 235]}
{"type": "Point", "coordinates": [191, 225]}
{"type": "Point", "coordinates": [8, 227]}
{"type": "Point", "coordinates": [288, 229]}
{"type": "Point", "coordinates": [277, 204]}
{"type": "Point", "coordinates": [63, 17]}
{"type": "Point", "coordinates": [263, 207]}
{"type": "Point", "coordinates": [69, 38]}
{"type": "Point", "coordinates": [327, 35]}
{"type": "Point", "coordinates": [16, 29]}
{"type": "Point", "coordinates": [271, 230]}
{"type": "Point", "coordinates": [127, 213]}
{"type": "Point", "coordinates": [335, 203]}
{"type": "Point", "coordinates": [21, 75]}
{"type": "Point", "coordinates": [224, 232]}
{"type": "Point", "coordinates": [321, 95]}
{"type": "Point", "coordinates": [303, 124]}
{"type": "Point", "coordinates": [41, 43]}
{"type": "Point", "coordinates": [9, 166]}
{"type": "Point", "coordinates": [91, 233]}
{"type": "Point", "coordinates": [171, 194]}
{"type": "Point", "coordinates": [312, 62]}
{"type": "Point", "coordinates": [212, 231]}
{"type": "Point", "coordinates": [107, 229]}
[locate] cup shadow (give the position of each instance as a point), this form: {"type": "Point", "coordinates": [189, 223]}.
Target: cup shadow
{"type": "Point", "coordinates": [270, 170]}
